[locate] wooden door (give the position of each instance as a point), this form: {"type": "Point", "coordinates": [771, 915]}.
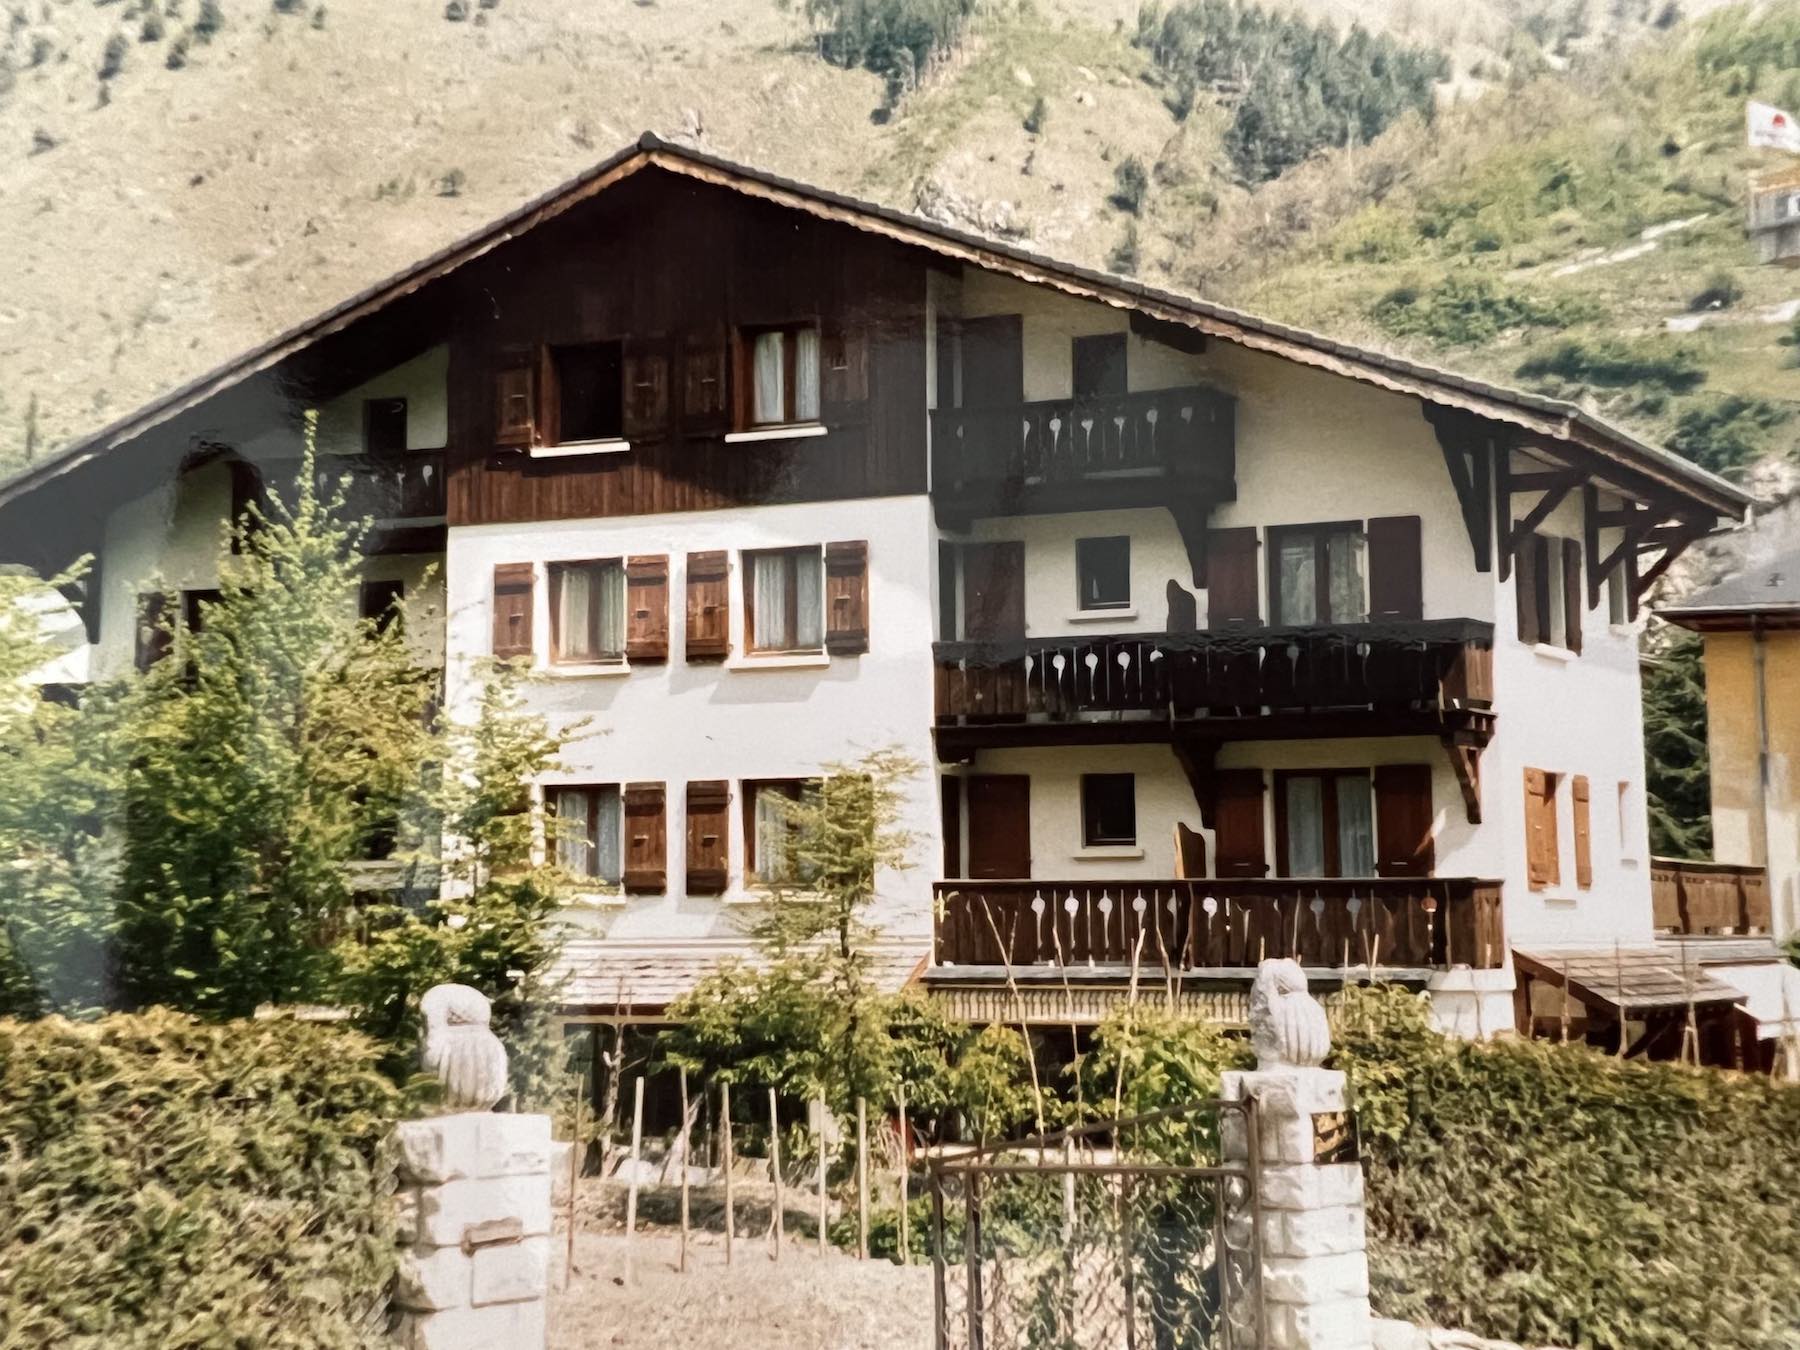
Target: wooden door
{"type": "Point", "coordinates": [994, 591]}
{"type": "Point", "coordinates": [999, 825]}
{"type": "Point", "coordinates": [1404, 846]}
{"type": "Point", "coordinates": [993, 362]}
{"type": "Point", "coordinates": [1239, 847]}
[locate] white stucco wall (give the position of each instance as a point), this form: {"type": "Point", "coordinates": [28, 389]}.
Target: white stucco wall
{"type": "Point", "coordinates": [679, 722]}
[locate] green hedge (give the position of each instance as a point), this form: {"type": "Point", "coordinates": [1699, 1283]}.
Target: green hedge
{"type": "Point", "coordinates": [1546, 1193]}
{"type": "Point", "coordinates": [167, 1183]}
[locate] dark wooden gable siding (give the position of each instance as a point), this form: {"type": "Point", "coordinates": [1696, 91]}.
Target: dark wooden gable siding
{"type": "Point", "coordinates": [672, 268]}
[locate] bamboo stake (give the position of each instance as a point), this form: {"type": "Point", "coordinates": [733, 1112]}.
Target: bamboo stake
{"type": "Point", "coordinates": [775, 1224]}
{"type": "Point", "coordinates": [905, 1255]}
{"type": "Point", "coordinates": [1619, 981]}
{"type": "Point", "coordinates": [862, 1180]}
{"type": "Point", "coordinates": [823, 1164]}
{"type": "Point", "coordinates": [686, 1140]}
{"type": "Point", "coordinates": [637, 1142]}
{"type": "Point", "coordinates": [730, 1213]}
{"type": "Point", "coordinates": [574, 1177]}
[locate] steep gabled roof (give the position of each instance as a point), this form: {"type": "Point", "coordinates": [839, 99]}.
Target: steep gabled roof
{"type": "Point", "coordinates": [1549, 420]}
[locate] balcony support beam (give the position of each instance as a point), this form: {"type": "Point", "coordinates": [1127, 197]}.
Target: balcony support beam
{"type": "Point", "coordinates": [1198, 758]}
{"type": "Point", "coordinates": [1465, 761]}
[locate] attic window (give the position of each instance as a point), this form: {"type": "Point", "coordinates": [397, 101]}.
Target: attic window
{"type": "Point", "coordinates": [781, 375]}
{"type": "Point", "coordinates": [590, 385]}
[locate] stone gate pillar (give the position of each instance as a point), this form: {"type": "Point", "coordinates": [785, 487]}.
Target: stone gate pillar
{"type": "Point", "coordinates": [1314, 1258]}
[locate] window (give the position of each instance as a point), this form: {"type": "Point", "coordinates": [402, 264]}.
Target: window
{"type": "Point", "coordinates": [195, 606]}
{"type": "Point", "coordinates": [1108, 809]}
{"type": "Point", "coordinates": [1548, 589]}
{"type": "Point", "coordinates": [384, 425]}
{"type": "Point", "coordinates": [587, 611]}
{"type": "Point", "coordinates": [587, 824]}
{"type": "Point", "coordinates": [784, 604]}
{"type": "Point", "coordinates": [782, 379]}
{"type": "Point", "coordinates": [769, 830]}
{"type": "Point", "coordinates": [1103, 572]}
{"type": "Point", "coordinates": [1316, 574]}
{"type": "Point", "coordinates": [590, 398]}
{"type": "Point", "coordinates": [1099, 367]}
{"type": "Point", "coordinates": [1618, 606]}
{"type": "Point", "coordinates": [1325, 823]}
{"type": "Point", "coordinates": [1543, 863]}
{"type": "Point", "coordinates": [379, 602]}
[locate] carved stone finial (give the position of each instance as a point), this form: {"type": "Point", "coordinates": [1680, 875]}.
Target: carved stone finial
{"type": "Point", "coordinates": [460, 1051]}
{"type": "Point", "coordinates": [1287, 1026]}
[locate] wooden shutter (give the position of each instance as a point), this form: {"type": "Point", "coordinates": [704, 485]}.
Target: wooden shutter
{"type": "Point", "coordinates": [647, 608]}
{"type": "Point", "coordinates": [708, 606]}
{"type": "Point", "coordinates": [1574, 597]}
{"type": "Point", "coordinates": [646, 839]}
{"type": "Point", "coordinates": [844, 356]}
{"type": "Point", "coordinates": [1190, 852]}
{"type": "Point", "coordinates": [951, 818]}
{"type": "Point", "coordinates": [1231, 578]}
{"type": "Point", "coordinates": [847, 597]}
{"type": "Point", "coordinates": [1584, 843]}
{"type": "Point", "coordinates": [549, 399]}
{"type": "Point", "coordinates": [1396, 568]}
{"type": "Point", "coordinates": [993, 577]}
{"type": "Point", "coordinates": [1525, 589]}
{"type": "Point", "coordinates": [708, 836]}
{"type": "Point", "coordinates": [512, 610]}
{"type": "Point", "coordinates": [515, 405]}
{"type": "Point", "coordinates": [1240, 847]}
{"type": "Point", "coordinates": [1543, 866]}
{"type": "Point", "coordinates": [646, 390]}
{"type": "Point", "coordinates": [1404, 846]}
{"type": "Point", "coordinates": [154, 634]}
{"type": "Point", "coordinates": [703, 405]}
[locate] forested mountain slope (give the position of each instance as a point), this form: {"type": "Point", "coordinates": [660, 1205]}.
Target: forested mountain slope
{"type": "Point", "coordinates": [1471, 183]}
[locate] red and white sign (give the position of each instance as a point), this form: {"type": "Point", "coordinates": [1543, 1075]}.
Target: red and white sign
{"type": "Point", "coordinates": [1772, 128]}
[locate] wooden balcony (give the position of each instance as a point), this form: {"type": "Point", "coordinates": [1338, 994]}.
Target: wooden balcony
{"type": "Point", "coordinates": [1433, 675]}
{"type": "Point", "coordinates": [402, 494]}
{"type": "Point", "coordinates": [1704, 899]}
{"type": "Point", "coordinates": [1064, 455]}
{"type": "Point", "coordinates": [1220, 925]}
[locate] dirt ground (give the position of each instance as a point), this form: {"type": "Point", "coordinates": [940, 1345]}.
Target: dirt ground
{"type": "Point", "coordinates": [803, 1301]}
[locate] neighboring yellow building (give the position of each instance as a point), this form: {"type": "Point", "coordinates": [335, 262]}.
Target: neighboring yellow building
{"type": "Point", "coordinates": [1751, 626]}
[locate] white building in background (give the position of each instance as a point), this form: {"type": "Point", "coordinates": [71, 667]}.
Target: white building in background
{"type": "Point", "coordinates": [1213, 639]}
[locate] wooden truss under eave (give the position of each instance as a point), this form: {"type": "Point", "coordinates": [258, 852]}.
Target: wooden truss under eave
{"type": "Point", "coordinates": [1468, 445]}
{"type": "Point", "coordinates": [1644, 529]}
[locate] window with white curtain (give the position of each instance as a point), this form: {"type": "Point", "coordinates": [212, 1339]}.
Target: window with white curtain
{"type": "Point", "coordinates": [1326, 821]}
{"type": "Point", "coordinates": [587, 823]}
{"type": "Point", "coordinates": [784, 375]}
{"type": "Point", "coordinates": [769, 830]}
{"type": "Point", "coordinates": [1317, 574]}
{"type": "Point", "coordinates": [784, 602]}
{"type": "Point", "coordinates": [587, 611]}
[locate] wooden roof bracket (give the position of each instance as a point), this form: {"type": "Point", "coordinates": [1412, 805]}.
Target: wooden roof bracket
{"type": "Point", "coordinates": [1674, 540]}
{"type": "Point", "coordinates": [1465, 761]}
{"type": "Point", "coordinates": [1467, 444]}
{"type": "Point", "coordinates": [1553, 484]}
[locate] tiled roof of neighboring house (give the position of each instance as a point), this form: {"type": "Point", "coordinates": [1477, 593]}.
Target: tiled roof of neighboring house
{"type": "Point", "coordinates": [1635, 978]}
{"type": "Point", "coordinates": [1551, 419]}
{"type": "Point", "coordinates": [626, 978]}
{"type": "Point", "coordinates": [1766, 589]}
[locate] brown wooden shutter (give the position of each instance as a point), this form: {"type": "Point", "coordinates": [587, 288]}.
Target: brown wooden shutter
{"type": "Point", "coordinates": [1584, 843]}
{"type": "Point", "coordinates": [1574, 596]}
{"type": "Point", "coordinates": [512, 610]}
{"type": "Point", "coordinates": [1190, 852]}
{"type": "Point", "coordinates": [1240, 841]}
{"type": "Point", "coordinates": [847, 597]}
{"type": "Point", "coordinates": [646, 391]}
{"type": "Point", "coordinates": [1542, 862]}
{"type": "Point", "coordinates": [549, 399]}
{"type": "Point", "coordinates": [1540, 586]}
{"type": "Point", "coordinates": [154, 634]}
{"type": "Point", "coordinates": [1231, 578]}
{"type": "Point", "coordinates": [993, 577]}
{"type": "Point", "coordinates": [647, 608]}
{"type": "Point", "coordinates": [1404, 846]}
{"type": "Point", "coordinates": [515, 406]}
{"type": "Point", "coordinates": [1525, 590]}
{"type": "Point", "coordinates": [708, 606]}
{"type": "Point", "coordinates": [703, 405]}
{"type": "Point", "coordinates": [708, 836]}
{"type": "Point", "coordinates": [845, 357]}
{"type": "Point", "coordinates": [1396, 568]}
{"type": "Point", "coordinates": [646, 839]}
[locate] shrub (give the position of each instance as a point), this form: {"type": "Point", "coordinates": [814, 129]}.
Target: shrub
{"type": "Point", "coordinates": [1722, 291]}
{"type": "Point", "coordinates": [41, 48]}
{"type": "Point", "coordinates": [1616, 363]}
{"type": "Point", "coordinates": [1547, 1193]}
{"type": "Point", "coordinates": [152, 29]}
{"type": "Point", "coordinates": [177, 55]}
{"type": "Point", "coordinates": [1130, 183]}
{"type": "Point", "coordinates": [173, 1183]}
{"type": "Point", "coordinates": [1125, 255]}
{"type": "Point", "coordinates": [211, 19]}
{"type": "Point", "coordinates": [1462, 312]}
{"type": "Point", "coordinates": [456, 11]}
{"type": "Point", "coordinates": [1726, 431]}
{"type": "Point", "coordinates": [1037, 117]}
{"type": "Point", "coordinates": [112, 59]}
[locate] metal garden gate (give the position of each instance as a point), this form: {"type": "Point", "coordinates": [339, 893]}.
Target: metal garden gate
{"type": "Point", "coordinates": [1132, 1234]}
